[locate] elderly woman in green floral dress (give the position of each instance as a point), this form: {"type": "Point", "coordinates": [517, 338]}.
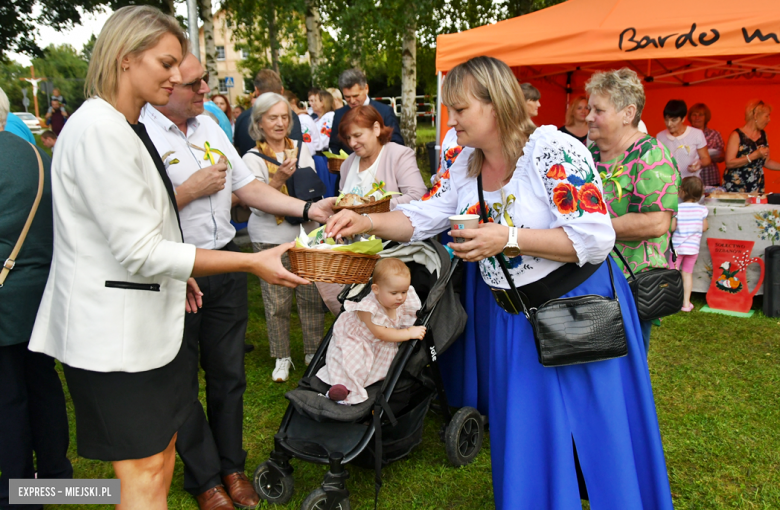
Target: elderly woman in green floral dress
{"type": "Point", "coordinates": [639, 175]}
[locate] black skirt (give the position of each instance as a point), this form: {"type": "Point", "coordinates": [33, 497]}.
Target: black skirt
{"type": "Point", "coordinates": [123, 415]}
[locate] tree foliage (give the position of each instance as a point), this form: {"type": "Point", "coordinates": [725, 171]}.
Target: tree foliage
{"type": "Point", "coordinates": [65, 69]}
{"type": "Point", "coordinates": [18, 25]}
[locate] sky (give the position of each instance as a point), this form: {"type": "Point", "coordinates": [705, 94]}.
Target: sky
{"type": "Point", "coordinates": [78, 35]}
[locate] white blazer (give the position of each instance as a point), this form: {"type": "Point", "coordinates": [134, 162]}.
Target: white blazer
{"type": "Point", "coordinates": [115, 233]}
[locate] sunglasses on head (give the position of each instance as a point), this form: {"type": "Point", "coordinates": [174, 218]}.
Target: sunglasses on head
{"type": "Point", "coordinates": [195, 85]}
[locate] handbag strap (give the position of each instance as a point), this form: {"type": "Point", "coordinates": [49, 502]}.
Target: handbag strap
{"type": "Point", "coordinates": [502, 261]}
{"type": "Point", "coordinates": [10, 262]}
{"type": "Point", "coordinates": [276, 161]}
{"type": "Point", "coordinates": [499, 256]}
{"type": "Point", "coordinates": [624, 261]}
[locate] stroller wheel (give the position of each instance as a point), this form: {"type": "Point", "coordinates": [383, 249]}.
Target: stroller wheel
{"type": "Point", "coordinates": [317, 501]}
{"type": "Point", "coordinates": [277, 491]}
{"type": "Point", "coordinates": [463, 437]}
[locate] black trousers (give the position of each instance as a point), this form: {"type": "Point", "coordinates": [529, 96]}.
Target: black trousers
{"type": "Point", "coordinates": [32, 419]}
{"type": "Point", "coordinates": [213, 448]}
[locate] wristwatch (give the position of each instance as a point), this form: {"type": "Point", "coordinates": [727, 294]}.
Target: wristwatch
{"type": "Point", "coordinates": [512, 249]}
{"type": "Point", "coordinates": [306, 212]}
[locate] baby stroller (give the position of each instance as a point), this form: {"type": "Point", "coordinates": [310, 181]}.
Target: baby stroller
{"type": "Point", "coordinates": [389, 424]}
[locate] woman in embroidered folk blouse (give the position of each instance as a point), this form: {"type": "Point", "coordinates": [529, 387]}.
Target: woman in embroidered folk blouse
{"type": "Point", "coordinates": [640, 178]}
{"type": "Point", "coordinates": [543, 182]}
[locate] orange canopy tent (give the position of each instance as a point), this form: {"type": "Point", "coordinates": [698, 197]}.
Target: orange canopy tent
{"type": "Point", "coordinates": [719, 52]}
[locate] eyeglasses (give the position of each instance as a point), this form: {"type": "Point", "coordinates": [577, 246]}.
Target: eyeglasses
{"type": "Point", "coordinates": [195, 85]}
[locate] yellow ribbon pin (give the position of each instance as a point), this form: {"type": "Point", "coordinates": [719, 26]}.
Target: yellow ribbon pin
{"type": "Point", "coordinates": [210, 154]}
{"type": "Point", "coordinates": [377, 186]}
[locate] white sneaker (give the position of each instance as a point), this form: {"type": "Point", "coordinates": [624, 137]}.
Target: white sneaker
{"type": "Point", "coordinates": [309, 357]}
{"type": "Point", "coordinates": [282, 371]}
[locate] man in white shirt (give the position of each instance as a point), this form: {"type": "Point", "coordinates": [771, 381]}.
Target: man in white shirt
{"type": "Point", "coordinates": [206, 170]}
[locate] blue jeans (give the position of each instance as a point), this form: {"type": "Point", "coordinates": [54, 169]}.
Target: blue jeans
{"type": "Point", "coordinates": [646, 327]}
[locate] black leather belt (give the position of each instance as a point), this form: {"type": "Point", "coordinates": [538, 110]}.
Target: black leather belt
{"type": "Point", "coordinates": [561, 281]}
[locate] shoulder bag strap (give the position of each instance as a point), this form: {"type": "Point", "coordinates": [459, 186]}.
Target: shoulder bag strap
{"type": "Point", "coordinates": [502, 260]}
{"type": "Point", "coordinates": [625, 262]}
{"type": "Point", "coordinates": [10, 262]}
{"type": "Point", "coordinates": [263, 156]}
{"type": "Point", "coordinates": [276, 161]}
{"type": "Point", "coordinates": [499, 256]}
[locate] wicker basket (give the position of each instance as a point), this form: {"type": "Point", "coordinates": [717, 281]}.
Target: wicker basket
{"type": "Point", "coordinates": [379, 206]}
{"type": "Point", "coordinates": [332, 266]}
{"type": "Point", "coordinates": [334, 165]}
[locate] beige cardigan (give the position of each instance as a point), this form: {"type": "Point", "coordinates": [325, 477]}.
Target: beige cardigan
{"type": "Point", "coordinates": [398, 169]}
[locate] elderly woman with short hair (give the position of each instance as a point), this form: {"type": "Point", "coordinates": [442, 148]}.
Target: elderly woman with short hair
{"type": "Point", "coordinates": [747, 152]}
{"type": "Point", "coordinates": [699, 116]}
{"type": "Point", "coordinates": [270, 128]}
{"type": "Point", "coordinates": [639, 176]}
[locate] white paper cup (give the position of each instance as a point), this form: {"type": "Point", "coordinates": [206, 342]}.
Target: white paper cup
{"type": "Point", "coordinates": [462, 222]}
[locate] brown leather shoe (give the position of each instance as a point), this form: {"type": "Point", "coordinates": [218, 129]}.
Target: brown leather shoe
{"type": "Point", "coordinates": [215, 499]}
{"type": "Point", "coordinates": [241, 490]}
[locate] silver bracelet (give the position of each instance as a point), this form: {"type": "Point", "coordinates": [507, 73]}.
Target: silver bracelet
{"type": "Point", "coordinates": [748, 158]}
{"type": "Point", "coordinates": [372, 224]}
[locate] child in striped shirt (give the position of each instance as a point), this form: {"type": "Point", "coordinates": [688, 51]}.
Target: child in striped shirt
{"type": "Point", "coordinates": [688, 226]}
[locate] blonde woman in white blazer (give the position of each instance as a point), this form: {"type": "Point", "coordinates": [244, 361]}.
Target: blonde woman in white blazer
{"type": "Point", "coordinates": [113, 308]}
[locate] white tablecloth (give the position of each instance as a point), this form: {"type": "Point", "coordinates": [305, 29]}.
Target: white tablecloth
{"type": "Point", "coordinates": [758, 223]}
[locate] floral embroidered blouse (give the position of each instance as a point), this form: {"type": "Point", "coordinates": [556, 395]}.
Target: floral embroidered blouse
{"type": "Point", "coordinates": [644, 179]}
{"type": "Point", "coordinates": [324, 125]}
{"type": "Point", "coordinates": [554, 185]}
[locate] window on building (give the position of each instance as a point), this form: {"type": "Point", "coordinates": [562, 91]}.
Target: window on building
{"type": "Point", "coordinates": [220, 53]}
{"type": "Point", "coordinates": [249, 86]}
{"type": "Point", "coordinates": [223, 86]}
{"type": "Point", "coordinates": [244, 53]}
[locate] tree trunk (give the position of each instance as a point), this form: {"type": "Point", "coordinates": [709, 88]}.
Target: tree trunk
{"type": "Point", "coordinates": [409, 85]}
{"type": "Point", "coordinates": [314, 38]}
{"type": "Point", "coordinates": [272, 36]}
{"type": "Point", "coordinates": [204, 8]}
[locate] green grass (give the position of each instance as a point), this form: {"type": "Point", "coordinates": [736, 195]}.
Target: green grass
{"type": "Point", "coordinates": [717, 387]}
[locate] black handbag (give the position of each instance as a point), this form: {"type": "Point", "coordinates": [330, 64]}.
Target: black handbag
{"type": "Point", "coordinates": [304, 184]}
{"type": "Point", "coordinates": [658, 292]}
{"type": "Point", "coordinates": [568, 331]}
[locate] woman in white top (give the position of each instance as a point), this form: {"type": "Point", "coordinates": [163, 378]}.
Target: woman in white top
{"type": "Point", "coordinates": [270, 128]}
{"type": "Point", "coordinates": [311, 135]}
{"type": "Point", "coordinates": [323, 107]}
{"type": "Point", "coordinates": [113, 308]}
{"type": "Point", "coordinates": [322, 104]}
{"type": "Point", "coordinates": [687, 144]}
{"type": "Point", "coordinates": [540, 186]}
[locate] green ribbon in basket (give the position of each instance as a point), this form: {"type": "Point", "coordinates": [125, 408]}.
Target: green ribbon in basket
{"type": "Point", "coordinates": [370, 247]}
{"type": "Point", "coordinates": [340, 155]}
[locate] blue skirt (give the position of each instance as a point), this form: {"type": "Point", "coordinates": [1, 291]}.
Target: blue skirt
{"type": "Point", "coordinates": [331, 180]}
{"type": "Point", "coordinates": [465, 365]}
{"type": "Point", "coordinates": [606, 407]}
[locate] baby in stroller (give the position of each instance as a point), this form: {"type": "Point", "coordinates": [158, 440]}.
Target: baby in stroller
{"type": "Point", "coordinates": [366, 335]}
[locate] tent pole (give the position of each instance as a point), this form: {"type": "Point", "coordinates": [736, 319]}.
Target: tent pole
{"type": "Point", "coordinates": [438, 114]}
